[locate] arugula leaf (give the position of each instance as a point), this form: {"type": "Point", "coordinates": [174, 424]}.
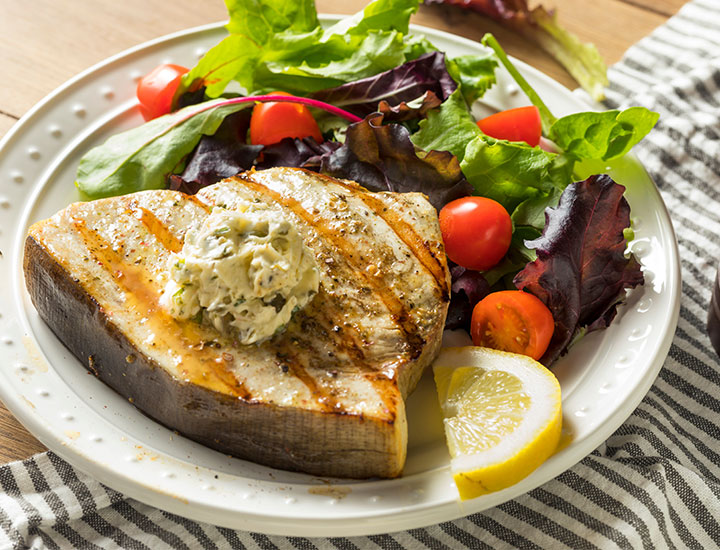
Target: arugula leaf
{"type": "Point", "coordinates": [604, 135]}
{"type": "Point", "coordinates": [582, 271]}
{"type": "Point", "coordinates": [143, 157]}
{"type": "Point", "coordinates": [449, 128]}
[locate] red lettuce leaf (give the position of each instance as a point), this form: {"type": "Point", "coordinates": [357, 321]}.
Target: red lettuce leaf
{"type": "Point", "coordinates": [426, 77]}
{"type": "Point", "coordinates": [408, 111]}
{"type": "Point", "coordinates": [581, 271]}
{"type": "Point", "coordinates": [382, 158]}
{"type": "Point", "coordinates": [219, 156]}
{"type": "Point", "coordinates": [295, 152]}
{"type": "Point", "coordinates": [468, 288]}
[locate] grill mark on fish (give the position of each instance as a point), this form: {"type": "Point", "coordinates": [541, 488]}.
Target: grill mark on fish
{"type": "Point", "coordinates": [157, 228]}
{"type": "Point", "coordinates": [407, 234]}
{"type": "Point", "coordinates": [398, 312]}
{"type": "Point", "coordinates": [290, 362]}
{"type": "Point", "coordinates": [193, 199]}
{"type": "Point", "coordinates": [343, 340]}
{"type": "Point", "coordinates": [200, 365]}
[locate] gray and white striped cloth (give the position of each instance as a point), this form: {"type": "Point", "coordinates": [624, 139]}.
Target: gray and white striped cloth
{"type": "Point", "coordinates": [655, 483]}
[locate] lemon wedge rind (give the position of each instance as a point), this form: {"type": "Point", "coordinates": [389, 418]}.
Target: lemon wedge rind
{"type": "Point", "coordinates": [512, 451]}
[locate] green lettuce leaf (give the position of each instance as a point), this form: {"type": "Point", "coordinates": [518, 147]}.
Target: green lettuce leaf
{"type": "Point", "coordinates": [448, 128]}
{"type": "Point", "coordinates": [361, 56]}
{"type": "Point", "coordinates": [511, 172]}
{"type": "Point", "coordinates": [279, 45]}
{"type": "Point", "coordinates": [588, 135]}
{"type": "Point", "coordinates": [260, 20]}
{"type": "Point", "coordinates": [475, 73]}
{"type": "Point", "coordinates": [387, 15]}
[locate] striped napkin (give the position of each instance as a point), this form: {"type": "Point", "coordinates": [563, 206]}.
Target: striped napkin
{"type": "Point", "coordinates": [655, 483]}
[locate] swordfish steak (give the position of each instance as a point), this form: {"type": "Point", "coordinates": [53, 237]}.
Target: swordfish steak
{"type": "Point", "coordinates": [326, 395]}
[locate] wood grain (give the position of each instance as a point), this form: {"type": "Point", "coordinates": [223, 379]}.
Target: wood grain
{"type": "Point", "coordinates": [43, 43]}
{"type": "Point", "coordinates": [662, 7]}
{"type": "Point", "coordinates": [6, 122]}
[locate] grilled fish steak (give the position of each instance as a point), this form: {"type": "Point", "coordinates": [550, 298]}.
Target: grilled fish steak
{"type": "Point", "coordinates": [325, 396]}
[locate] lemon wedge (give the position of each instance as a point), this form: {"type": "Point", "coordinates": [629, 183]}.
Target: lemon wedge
{"type": "Point", "coordinates": [502, 415]}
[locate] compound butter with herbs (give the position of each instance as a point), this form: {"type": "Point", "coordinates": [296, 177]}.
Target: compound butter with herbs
{"type": "Point", "coordinates": [244, 272]}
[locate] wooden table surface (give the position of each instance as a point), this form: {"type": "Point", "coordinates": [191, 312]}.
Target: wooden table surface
{"type": "Point", "coordinates": [43, 43]}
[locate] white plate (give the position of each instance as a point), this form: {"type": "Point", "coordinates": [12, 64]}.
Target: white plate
{"type": "Point", "coordinates": [603, 378]}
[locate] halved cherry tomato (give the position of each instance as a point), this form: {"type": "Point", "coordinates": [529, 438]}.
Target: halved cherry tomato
{"type": "Point", "coordinates": [476, 231]}
{"type": "Point", "coordinates": [521, 124]}
{"type": "Point", "coordinates": [514, 321]}
{"type": "Point", "coordinates": [156, 89]}
{"type": "Point", "coordinates": [273, 121]}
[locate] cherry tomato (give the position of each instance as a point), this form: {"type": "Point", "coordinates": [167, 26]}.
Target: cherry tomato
{"type": "Point", "coordinates": [156, 89]}
{"type": "Point", "coordinates": [521, 124]}
{"type": "Point", "coordinates": [272, 121]}
{"type": "Point", "coordinates": [476, 232]}
{"type": "Point", "coordinates": [514, 321]}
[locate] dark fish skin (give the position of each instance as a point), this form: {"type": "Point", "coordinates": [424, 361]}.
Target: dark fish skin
{"type": "Point", "coordinates": [326, 396]}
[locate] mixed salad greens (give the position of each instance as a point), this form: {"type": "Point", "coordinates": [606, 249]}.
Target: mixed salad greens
{"type": "Point", "coordinates": [395, 115]}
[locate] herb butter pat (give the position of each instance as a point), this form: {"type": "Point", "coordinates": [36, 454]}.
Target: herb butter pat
{"type": "Point", "coordinates": [245, 272]}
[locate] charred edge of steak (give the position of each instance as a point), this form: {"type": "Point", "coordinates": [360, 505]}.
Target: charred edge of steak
{"type": "Point", "coordinates": [251, 431]}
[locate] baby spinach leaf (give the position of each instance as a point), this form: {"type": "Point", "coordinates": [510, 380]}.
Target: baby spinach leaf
{"type": "Point", "coordinates": [143, 157]}
{"type": "Point", "coordinates": [603, 135]}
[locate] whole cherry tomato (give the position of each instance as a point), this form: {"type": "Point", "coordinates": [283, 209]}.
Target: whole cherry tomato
{"type": "Point", "coordinates": [476, 231]}
{"type": "Point", "coordinates": [273, 121]}
{"type": "Point", "coordinates": [156, 90]}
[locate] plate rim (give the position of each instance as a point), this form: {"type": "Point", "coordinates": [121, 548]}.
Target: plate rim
{"type": "Point", "coordinates": [368, 524]}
